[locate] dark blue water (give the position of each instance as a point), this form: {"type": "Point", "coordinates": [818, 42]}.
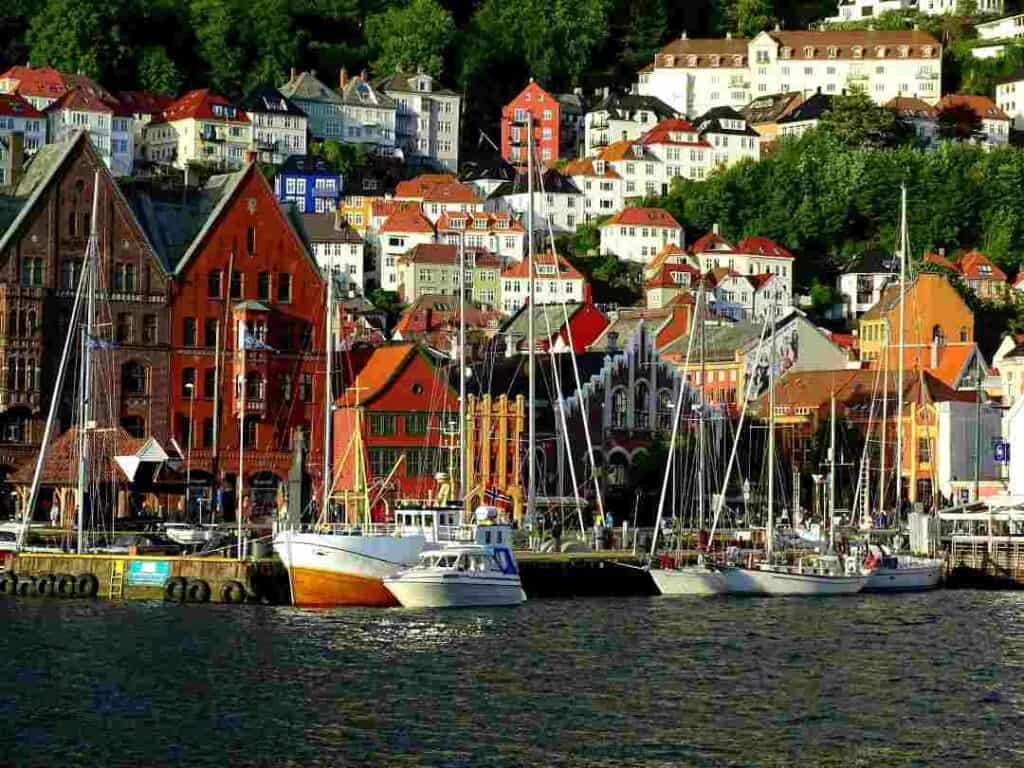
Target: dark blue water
{"type": "Point", "coordinates": [926, 680]}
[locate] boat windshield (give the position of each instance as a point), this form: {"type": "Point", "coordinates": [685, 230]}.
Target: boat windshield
{"type": "Point", "coordinates": [435, 560]}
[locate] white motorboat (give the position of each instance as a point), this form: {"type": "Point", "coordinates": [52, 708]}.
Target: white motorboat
{"type": "Point", "coordinates": [188, 535]}
{"type": "Point", "coordinates": [820, 575]}
{"type": "Point", "coordinates": [700, 579]}
{"type": "Point", "coordinates": [901, 573]}
{"type": "Point", "coordinates": [476, 574]}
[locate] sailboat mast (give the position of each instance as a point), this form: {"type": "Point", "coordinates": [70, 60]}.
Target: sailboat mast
{"type": "Point", "coordinates": [241, 441]}
{"type": "Point", "coordinates": [462, 371]}
{"type": "Point", "coordinates": [832, 477]}
{"type": "Point", "coordinates": [899, 358]}
{"type": "Point", "coordinates": [884, 427]}
{"type": "Point", "coordinates": [531, 487]}
{"type": "Point", "coordinates": [86, 393]}
{"type": "Point", "coordinates": [328, 388]}
{"type": "Point", "coordinates": [700, 428]}
{"type": "Point", "coordinates": [770, 530]}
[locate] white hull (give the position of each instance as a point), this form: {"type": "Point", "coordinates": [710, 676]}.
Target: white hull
{"type": "Point", "coordinates": [918, 575]}
{"type": "Point", "coordinates": [455, 591]}
{"type": "Point", "coordinates": [693, 580]}
{"type": "Point", "coordinates": [756, 581]}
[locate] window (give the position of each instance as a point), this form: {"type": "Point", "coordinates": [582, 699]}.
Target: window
{"type": "Point", "coordinates": [210, 332]}
{"type": "Point", "coordinates": [416, 424]}
{"type": "Point", "coordinates": [31, 271]}
{"type": "Point", "coordinates": [619, 406]}
{"type": "Point", "coordinates": [70, 272]}
{"type": "Point", "coordinates": [133, 379]}
{"type": "Point", "coordinates": [188, 332]}
{"type": "Point", "coordinates": [249, 429]}
{"type": "Point", "coordinates": [306, 388]}
{"type": "Point", "coordinates": [209, 383]}
{"type": "Point", "coordinates": [213, 286]}
{"type": "Point", "coordinates": [237, 290]}
{"type": "Point", "coordinates": [208, 433]}
{"type": "Point", "coordinates": [285, 381]}
{"type": "Point", "coordinates": [124, 278]}
{"type": "Point", "coordinates": [149, 329]}
{"type": "Point", "coordinates": [188, 382]}
{"type": "Point", "coordinates": [284, 287]}
{"type": "Point", "coordinates": [250, 240]}
{"type": "Point", "coordinates": [382, 424]}
{"type": "Point", "coordinates": [124, 332]}
{"type": "Point", "coordinates": [924, 449]}
{"type": "Point", "coordinates": [263, 286]}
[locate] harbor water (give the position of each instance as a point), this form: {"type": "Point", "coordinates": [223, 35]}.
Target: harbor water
{"type": "Point", "coordinates": [908, 680]}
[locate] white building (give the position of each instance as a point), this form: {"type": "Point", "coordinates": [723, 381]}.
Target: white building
{"type": "Point", "coordinates": [338, 247]}
{"type": "Point", "coordinates": [369, 115]}
{"type": "Point", "coordinates": [920, 116]}
{"type": "Point", "coordinates": [619, 117]}
{"type": "Point", "coordinates": [404, 229]}
{"type": "Point", "coordinates": [322, 106]}
{"type": "Point", "coordinates": [1010, 98]}
{"type": "Point", "coordinates": [752, 256]}
{"type": "Point", "coordinates": [17, 115]}
{"type": "Point", "coordinates": [639, 234]}
{"type": "Point", "coordinates": [672, 149]}
{"type": "Point", "coordinates": [426, 120]}
{"type": "Point", "coordinates": [558, 204]}
{"type": "Point", "coordinates": [693, 76]}
{"type": "Point", "coordinates": [861, 10]}
{"type": "Point", "coordinates": [730, 137]}
{"type": "Point", "coordinates": [200, 127]}
{"type": "Point", "coordinates": [995, 123]}
{"type": "Point", "coordinates": [278, 125]}
{"type": "Point", "coordinates": [861, 284]}
{"type": "Point", "coordinates": [1006, 28]}
{"type": "Point", "coordinates": [438, 194]}
{"type": "Point", "coordinates": [108, 126]}
{"type": "Point", "coordinates": [555, 280]}
{"type": "Point", "coordinates": [602, 187]}
{"type": "Point", "coordinates": [497, 232]}
{"type": "Point", "coordinates": [805, 117]}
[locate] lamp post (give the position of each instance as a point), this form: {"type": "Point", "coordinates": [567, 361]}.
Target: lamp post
{"type": "Point", "coordinates": [191, 387]}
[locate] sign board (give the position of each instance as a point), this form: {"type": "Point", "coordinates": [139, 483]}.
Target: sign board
{"type": "Point", "coordinates": [1001, 451]}
{"type": "Point", "coordinates": [148, 573]}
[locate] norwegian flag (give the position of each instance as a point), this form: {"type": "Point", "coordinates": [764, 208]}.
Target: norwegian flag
{"type": "Point", "coordinates": [496, 498]}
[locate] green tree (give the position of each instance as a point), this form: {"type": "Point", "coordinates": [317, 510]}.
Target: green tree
{"type": "Point", "coordinates": [343, 158]}
{"type": "Point", "coordinates": [273, 45]}
{"type": "Point", "coordinates": [861, 124]}
{"type": "Point", "coordinates": [157, 72]}
{"type": "Point", "coordinates": [387, 302]}
{"type": "Point", "coordinates": [218, 30]}
{"type": "Point", "coordinates": [959, 122]}
{"type": "Point", "coordinates": [411, 37]}
{"type": "Point", "coordinates": [78, 36]}
{"type": "Point", "coordinates": [966, 7]}
{"type": "Point", "coordinates": [748, 17]}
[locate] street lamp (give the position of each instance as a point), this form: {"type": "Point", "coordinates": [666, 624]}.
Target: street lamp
{"type": "Point", "coordinates": [191, 387]}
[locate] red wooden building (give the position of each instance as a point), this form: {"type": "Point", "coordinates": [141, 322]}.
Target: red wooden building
{"type": "Point", "coordinates": [247, 275]}
{"type": "Point", "coordinates": [546, 112]}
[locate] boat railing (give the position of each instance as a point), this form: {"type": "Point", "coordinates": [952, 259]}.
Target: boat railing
{"type": "Point", "coordinates": [367, 529]}
{"type": "Point", "coordinates": [455, 533]}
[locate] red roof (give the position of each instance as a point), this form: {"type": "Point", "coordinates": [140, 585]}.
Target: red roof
{"type": "Point", "coordinates": [81, 100]}
{"type": "Point", "coordinates": [199, 105]}
{"type": "Point", "coordinates": [470, 220]}
{"type": "Point", "coordinates": [982, 106]}
{"type": "Point", "coordinates": [566, 271]}
{"type": "Point", "coordinates": [939, 260]}
{"type": "Point", "coordinates": [585, 167]}
{"type": "Point", "coordinates": [407, 220]}
{"type": "Point", "coordinates": [13, 105]}
{"type": "Point", "coordinates": [709, 241]}
{"type": "Point", "coordinates": [666, 277]}
{"type": "Point", "coordinates": [376, 372]}
{"type": "Point", "coordinates": [144, 102]}
{"type": "Point", "coordinates": [385, 207]}
{"type": "Point", "coordinates": [663, 132]}
{"type": "Point", "coordinates": [436, 188]}
{"type": "Point", "coordinates": [431, 253]}
{"type": "Point", "coordinates": [49, 83]}
{"type": "Point", "coordinates": [650, 217]}
{"type": "Point", "coordinates": [759, 281]}
{"type": "Point", "coordinates": [971, 266]}
{"type": "Point", "coordinates": [762, 246]}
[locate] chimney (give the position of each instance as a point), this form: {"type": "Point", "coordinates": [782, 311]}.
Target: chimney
{"type": "Point", "coordinates": [683, 36]}
{"type": "Point", "coordinates": [364, 75]}
{"type": "Point", "coordinates": [728, 35]}
{"type": "Point", "coordinates": [942, 251]}
{"type": "Point", "coordinates": [339, 220]}
{"type": "Point", "coordinates": [290, 79]}
{"type": "Point", "coordinates": [15, 158]}
{"type": "Point", "coordinates": [714, 228]}
{"type": "Point", "coordinates": [343, 78]}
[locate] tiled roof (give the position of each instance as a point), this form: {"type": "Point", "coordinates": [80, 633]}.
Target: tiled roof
{"type": "Point", "coordinates": [382, 365]}
{"type": "Point", "coordinates": [585, 167]}
{"type": "Point", "coordinates": [973, 265]}
{"type": "Point", "coordinates": [496, 221]}
{"type": "Point", "coordinates": [719, 342]}
{"type": "Point", "coordinates": [768, 109]}
{"type": "Point", "coordinates": [952, 360]}
{"type": "Point", "coordinates": [328, 228]}
{"type": "Point", "coordinates": [873, 44]}
{"type": "Point", "coordinates": [650, 217]}
{"type": "Point", "coordinates": [437, 188]}
{"type": "Point", "coordinates": [762, 246]}
{"type": "Point", "coordinates": [711, 242]}
{"type": "Point", "coordinates": [306, 87]}
{"type": "Point", "coordinates": [626, 323]}
{"type": "Point", "coordinates": [717, 276]}
{"type": "Point", "coordinates": [669, 254]}
{"type": "Point", "coordinates": [199, 105]}
{"type": "Point", "coordinates": [60, 467]}
{"type": "Point", "coordinates": [703, 52]}
{"type": "Point", "coordinates": [618, 150]}
{"type": "Point", "coordinates": [79, 100]}
{"type": "Point", "coordinates": [940, 261]}
{"type": "Point", "coordinates": [908, 106]}
{"type": "Point", "coordinates": [982, 106]}
{"type": "Point", "coordinates": [407, 220]}
{"type": "Point", "coordinates": [268, 100]}
{"type": "Point", "coordinates": [434, 312]}
{"type": "Point", "coordinates": [813, 108]}
{"type": "Point", "coordinates": [431, 253]}
{"type": "Point", "coordinates": [144, 102]}
{"type": "Point", "coordinates": [49, 83]}
{"type": "Point", "coordinates": [666, 132]}
{"type": "Point", "coordinates": [666, 277]}
{"type": "Point", "coordinates": [566, 271]}
{"type": "Point", "coordinates": [13, 105]}
{"type": "Point", "coordinates": [380, 206]}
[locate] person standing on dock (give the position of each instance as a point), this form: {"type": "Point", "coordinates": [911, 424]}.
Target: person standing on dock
{"type": "Point", "coordinates": [556, 534]}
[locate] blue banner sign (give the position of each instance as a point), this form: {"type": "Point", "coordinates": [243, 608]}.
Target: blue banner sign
{"type": "Point", "coordinates": [148, 573]}
{"type": "Point", "coordinates": [1001, 451]}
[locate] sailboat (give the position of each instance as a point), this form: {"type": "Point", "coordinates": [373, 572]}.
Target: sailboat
{"type": "Point", "coordinates": [887, 572]}
{"type": "Point", "coordinates": [817, 575]}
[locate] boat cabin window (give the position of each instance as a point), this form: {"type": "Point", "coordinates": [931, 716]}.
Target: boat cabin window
{"type": "Point", "coordinates": [447, 561]}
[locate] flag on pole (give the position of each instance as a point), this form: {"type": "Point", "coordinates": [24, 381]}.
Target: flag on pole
{"type": "Point", "coordinates": [496, 498]}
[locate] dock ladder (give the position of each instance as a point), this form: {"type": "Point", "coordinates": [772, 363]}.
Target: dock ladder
{"type": "Point", "coordinates": [116, 590]}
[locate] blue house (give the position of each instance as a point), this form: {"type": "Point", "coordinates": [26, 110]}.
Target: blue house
{"type": "Point", "coordinates": [309, 184]}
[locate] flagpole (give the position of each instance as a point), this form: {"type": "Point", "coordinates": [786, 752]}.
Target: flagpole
{"type": "Point", "coordinates": [241, 444]}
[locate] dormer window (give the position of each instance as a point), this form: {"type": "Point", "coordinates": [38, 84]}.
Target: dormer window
{"type": "Point", "coordinates": [880, 51]}
{"type": "Point", "coordinates": [670, 61]}
{"type": "Point", "coordinates": [599, 167]}
{"type": "Point", "coordinates": [737, 61]}
{"type": "Point", "coordinates": [691, 61]}
{"type": "Point", "coordinates": [858, 52]}
{"type": "Point", "coordinates": [904, 51]}
{"type": "Point", "coordinates": [638, 150]}
{"type": "Point", "coordinates": [832, 51]}
{"type": "Point", "coordinates": [480, 223]}
{"type": "Point", "coordinates": [786, 52]}
{"type": "Point", "coordinates": [715, 60]}
{"type": "Point", "coordinates": [808, 51]}
{"type": "Point", "coordinates": [927, 51]}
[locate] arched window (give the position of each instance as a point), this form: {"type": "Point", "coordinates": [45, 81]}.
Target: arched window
{"type": "Point", "coordinates": [619, 405]}
{"type": "Point", "coordinates": [641, 412]}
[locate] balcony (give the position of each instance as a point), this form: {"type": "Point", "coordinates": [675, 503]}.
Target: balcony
{"type": "Point", "coordinates": [927, 76]}
{"type": "Point", "coordinates": [857, 77]}
{"type": "Point", "coordinates": [738, 81]}
{"type": "Point", "coordinates": [253, 407]}
{"type": "Point", "coordinates": [599, 125]}
{"type": "Point", "coordinates": [13, 398]}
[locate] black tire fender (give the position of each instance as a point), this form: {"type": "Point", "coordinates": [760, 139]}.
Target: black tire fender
{"type": "Point", "coordinates": [198, 591]}
{"type": "Point", "coordinates": [45, 585]}
{"type": "Point", "coordinates": [87, 585]}
{"type": "Point", "coordinates": [64, 585]}
{"type": "Point", "coordinates": [8, 584]}
{"type": "Point", "coordinates": [232, 592]}
{"type": "Point", "coordinates": [176, 589]}
{"type": "Point", "coordinates": [26, 586]}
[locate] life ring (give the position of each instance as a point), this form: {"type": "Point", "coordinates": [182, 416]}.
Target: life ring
{"type": "Point", "coordinates": [176, 589]}
{"type": "Point", "coordinates": [198, 591]}
{"type": "Point", "coordinates": [64, 585]}
{"type": "Point", "coordinates": [45, 585]}
{"type": "Point", "coordinates": [26, 586]}
{"type": "Point", "coordinates": [87, 585]}
{"type": "Point", "coordinates": [8, 584]}
{"type": "Point", "coordinates": [232, 592]}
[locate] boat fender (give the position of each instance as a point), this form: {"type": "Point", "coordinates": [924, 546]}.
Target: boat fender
{"type": "Point", "coordinates": [87, 585]}
{"type": "Point", "coordinates": [44, 585]}
{"type": "Point", "coordinates": [8, 584]}
{"type": "Point", "coordinates": [176, 589]}
{"type": "Point", "coordinates": [26, 586]}
{"type": "Point", "coordinates": [64, 585]}
{"type": "Point", "coordinates": [198, 591]}
{"type": "Point", "coordinates": [232, 592]}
